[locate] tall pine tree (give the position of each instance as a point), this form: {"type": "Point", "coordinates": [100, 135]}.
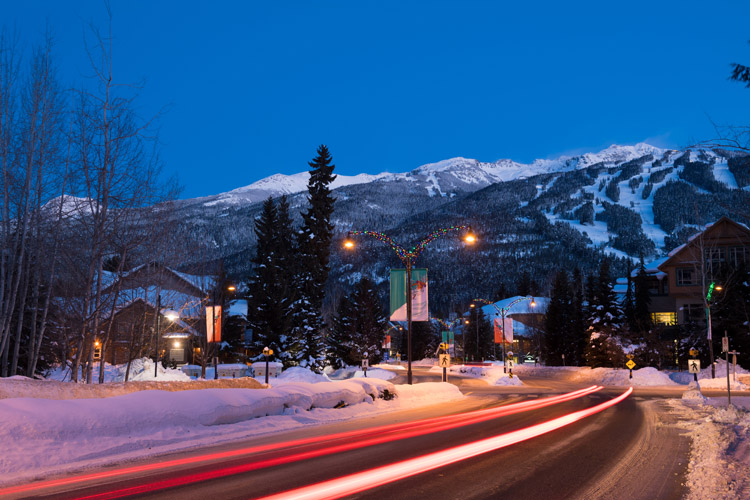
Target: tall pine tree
{"type": "Point", "coordinates": [314, 243]}
{"type": "Point", "coordinates": [604, 321]}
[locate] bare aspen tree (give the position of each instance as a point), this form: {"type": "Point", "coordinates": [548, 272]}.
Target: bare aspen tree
{"type": "Point", "coordinates": [115, 175]}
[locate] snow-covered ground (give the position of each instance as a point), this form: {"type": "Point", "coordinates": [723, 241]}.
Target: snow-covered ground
{"type": "Point", "coordinates": [52, 427]}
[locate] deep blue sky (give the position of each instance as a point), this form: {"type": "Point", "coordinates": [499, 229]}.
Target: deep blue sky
{"type": "Point", "coordinates": [255, 87]}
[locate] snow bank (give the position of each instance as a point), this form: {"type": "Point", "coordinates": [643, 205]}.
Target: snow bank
{"type": "Point", "coordinates": [718, 467]}
{"type": "Point", "coordinates": [300, 374]}
{"type": "Point", "coordinates": [375, 373]}
{"type": "Point", "coordinates": [601, 376]}
{"type": "Point", "coordinates": [493, 375]}
{"type": "Point", "coordinates": [140, 369]}
{"type": "Point", "coordinates": [51, 389]}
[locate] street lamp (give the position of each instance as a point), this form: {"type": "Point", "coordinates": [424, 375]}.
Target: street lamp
{"type": "Point", "coordinates": [408, 257]}
{"type": "Point", "coordinates": [713, 287]}
{"type": "Point", "coordinates": [502, 312]}
{"type": "Point", "coordinates": [476, 320]}
{"type": "Point", "coordinates": [229, 288]}
{"type": "Point", "coordinates": [171, 316]}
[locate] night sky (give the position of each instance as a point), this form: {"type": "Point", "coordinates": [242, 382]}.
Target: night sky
{"type": "Point", "coordinates": [252, 88]}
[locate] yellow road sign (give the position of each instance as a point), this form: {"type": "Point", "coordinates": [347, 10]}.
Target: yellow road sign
{"type": "Point", "coordinates": [630, 364]}
{"type": "Point", "coordinates": [445, 361]}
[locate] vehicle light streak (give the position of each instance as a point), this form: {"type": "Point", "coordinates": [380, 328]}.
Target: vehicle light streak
{"type": "Point", "coordinates": [361, 481]}
{"type": "Point", "coordinates": [351, 440]}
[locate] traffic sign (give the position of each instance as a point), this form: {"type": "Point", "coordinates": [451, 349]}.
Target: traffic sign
{"type": "Point", "coordinates": [693, 351]}
{"type": "Point", "coordinates": [629, 356]}
{"type": "Point", "coordinates": [724, 344]}
{"type": "Point", "coordinates": [365, 363]}
{"type": "Point", "coordinates": [630, 364]}
{"type": "Point", "coordinates": [445, 360]}
{"type": "Point", "coordinates": [694, 365]}
{"type": "Point", "coordinates": [509, 364]}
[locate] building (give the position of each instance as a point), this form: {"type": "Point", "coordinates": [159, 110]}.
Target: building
{"type": "Point", "coordinates": [679, 282]}
{"type": "Point", "coordinates": [129, 329]}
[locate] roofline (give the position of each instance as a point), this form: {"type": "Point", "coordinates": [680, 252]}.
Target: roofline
{"type": "Point", "coordinates": [691, 243]}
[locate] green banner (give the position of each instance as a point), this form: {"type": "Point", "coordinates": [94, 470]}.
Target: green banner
{"type": "Point", "coordinates": [419, 302]}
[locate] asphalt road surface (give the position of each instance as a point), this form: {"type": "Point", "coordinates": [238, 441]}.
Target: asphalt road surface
{"type": "Point", "coordinates": [627, 451]}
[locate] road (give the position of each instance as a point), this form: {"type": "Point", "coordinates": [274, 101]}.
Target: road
{"type": "Point", "coordinates": [626, 451]}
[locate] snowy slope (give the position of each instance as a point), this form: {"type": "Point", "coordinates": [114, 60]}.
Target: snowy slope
{"type": "Point", "coordinates": [440, 178]}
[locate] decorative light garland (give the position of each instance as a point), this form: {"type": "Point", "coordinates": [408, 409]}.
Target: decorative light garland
{"type": "Point", "coordinates": [417, 249]}
{"type": "Point", "coordinates": [505, 309]}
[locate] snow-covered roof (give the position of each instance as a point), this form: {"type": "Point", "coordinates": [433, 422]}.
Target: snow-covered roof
{"type": "Point", "coordinates": [522, 307]}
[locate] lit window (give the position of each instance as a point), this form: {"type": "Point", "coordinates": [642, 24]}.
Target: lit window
{"type": "Point", "coordinates": [664, 318]}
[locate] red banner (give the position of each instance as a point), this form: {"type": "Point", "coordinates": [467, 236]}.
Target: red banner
{"type": "Point", "coordinates": [213, 323]}
{"type": "Point", "coordinates": [499, 330]}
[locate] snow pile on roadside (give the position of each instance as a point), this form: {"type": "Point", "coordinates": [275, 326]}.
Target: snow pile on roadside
{"type": "Point", "coordinates": [719, 465]}
{"type": "Point", "coordinates": [694, 392]}
{"type": "Point", "coordinates": [22, 387]}
{"type": "Point", "coordinates": [647, 376]}
{"type": "Point", "coordinates": [140, 369]}
{"type": "Point", "coordinates": [375, 373]}
{"type": "Point", "coordinates": [493, 375]}
{"type": "Point", "coordinates": [428, 392]}
{"type": "Point", "coordinates": [44, 437]}
{"type": "Point", "coordinates": [299, 374]}
{"type": "Point", "coordinates": [720, 382]}
{"type": "Point", "coordinates": [389, 366]}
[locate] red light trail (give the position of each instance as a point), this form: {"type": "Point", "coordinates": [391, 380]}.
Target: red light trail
{"type": "Point", "coordinates": [361, 481]}
{"type": "Point", "coordinates": [364, 437]}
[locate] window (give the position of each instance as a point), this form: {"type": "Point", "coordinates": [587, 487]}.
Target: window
{"type": "Point", "coordinates": [177, 355]}
{"type": "Point", "coordinates": [714, 257]}
{"type": "Point", "coordinates": [687, 276]}
{"type": "Point", "coordinates": [693, 312]}
{"type": "Point", "coordinates": [739, 255]}
{"type": "Point", "coordinates": [664, 318]}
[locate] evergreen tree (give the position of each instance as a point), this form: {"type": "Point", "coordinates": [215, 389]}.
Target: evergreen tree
{"type": "Point", "coordinates": [262, 310]}
{"type": "Point", "coordinates": [314, 243]}
{"type": "Point", "coordinates": [558, 322]}
{"type": "Point", "coordinates": [340, 337]}
{"type": "Point", "coordinates": [579, 336]}
{"type": "Point", "coordinates": [604, 321]}
{"type": "Point", "coordinates": [285, 253]}
{"type": "Point", "coordinates": [524, 285]}
{"type": "Point", "coordinates": [271, 289]}
{"type": "Point", "coordinates": [641, 319]}
{"type": "Point", "coordinates": [369, 321]}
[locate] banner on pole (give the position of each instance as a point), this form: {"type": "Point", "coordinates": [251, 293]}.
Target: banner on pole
{"type": "Point", "coordinates": [499, 330]}
{"type": "Point", "coordinates": [213, 323]}
{"type": "Point", "coordinates": [419, 302]}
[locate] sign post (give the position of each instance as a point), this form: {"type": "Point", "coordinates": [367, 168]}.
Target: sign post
{"type": "Point", "coordinates": [694, 365]}
{"type": "Point", "coordinates": [365, 363]}
{"type": "Point", "coordinates": [509, 362]}
{"type": "Point", "coordinates": [445, 360]}
{"type": "Point", "coordinates": [630, 364]}
{"type": "Point", "coordinates": [725, 348]}
{"type": "Point", "coordinates": [267, 353]}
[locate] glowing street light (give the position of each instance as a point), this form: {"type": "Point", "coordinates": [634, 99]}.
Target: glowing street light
{"type": "Point", "coordinates": [408, 257]}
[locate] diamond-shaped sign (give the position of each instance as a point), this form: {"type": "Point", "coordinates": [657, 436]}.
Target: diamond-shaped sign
{"type": "Point", "coordinates": [630, 364]}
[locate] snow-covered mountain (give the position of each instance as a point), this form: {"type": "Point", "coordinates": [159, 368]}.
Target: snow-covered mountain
{"type": "Point", "coordinates": [443, 178]}
{"type": "Point", "coordinates": [571, 211]}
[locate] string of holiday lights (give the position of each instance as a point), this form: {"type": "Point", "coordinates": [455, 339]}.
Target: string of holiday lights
{"type": "Point", "coordinates": [448, 325]}
{"type": "Point", "coordinates": [506, 308]}
{"type": "Point", "coordinates": [417, 249]}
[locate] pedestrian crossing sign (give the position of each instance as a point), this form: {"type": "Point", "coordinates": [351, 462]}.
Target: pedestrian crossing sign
{"type": "Point", "coordinates": [694, 366]}
{"type": "Point", "coordinates": [445, 360]}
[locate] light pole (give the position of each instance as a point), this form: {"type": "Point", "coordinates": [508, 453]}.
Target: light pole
{"type": "Point", "coordinates": [408, 257]}
{"type": "Point", "coordinates": [229, 288]}
{"type": "Point", "coordinates": [502, 312]}
{"type": "Point", "coordinates": [711, 288]}
{"type": "Point", "coordinates": [170, 315]}
{"type": "Point", "coordinates": [476, 320]}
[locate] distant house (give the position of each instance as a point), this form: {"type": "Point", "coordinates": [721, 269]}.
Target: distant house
{"type": "Point", "coordinates": [679, 282]}
{"type": "Point", "coordinates": [135, 295]}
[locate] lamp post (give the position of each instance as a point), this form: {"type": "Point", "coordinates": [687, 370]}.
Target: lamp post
{"type": "Point", "coordinates": [711, 289]}
{"type": "Point", "coordinates": [476, 320]}
{"type": "Point", "coordinates": [408, 257]}
{"type": "Point", "coordinates": [170, 315]}
{"type": "Point", "coordinates": [502, 311]}
{"type": "Point", "coordinates": [229, 288]}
